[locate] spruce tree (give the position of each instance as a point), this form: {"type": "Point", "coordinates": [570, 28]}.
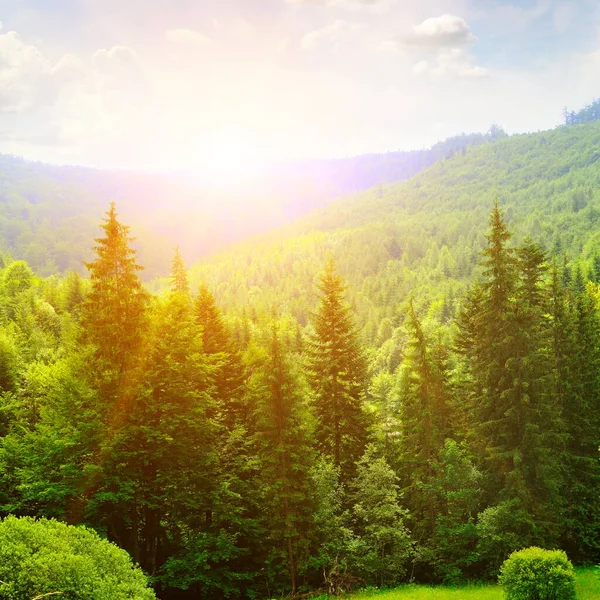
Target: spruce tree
{"type": "Point", "coordinates": [285, 451]}
{"type": "Point", "coordinates": [179, 277]}
{"type": "Point", "coordinates": [425, 422]}
{"type": "Point", "coordinates": [336, 369]}
{"type": "Point", "coordinates": [228, 373]}
{"type": "Point", "coordinates": [159, 470]}
{"type": "Point", "coordinates": [582, 419]}
{"type": "Point", "coordinates": [535, 375]}
{"type": "Point", "coordinates": [513, 418]}
{"type": "Point", "coordinates": [114, 326]}
{"type": "Point", "coordinates": [114, 318]}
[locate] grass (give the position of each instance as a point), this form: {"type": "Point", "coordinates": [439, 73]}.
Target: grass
{"type": "Point", "coordinates": [588, 588]}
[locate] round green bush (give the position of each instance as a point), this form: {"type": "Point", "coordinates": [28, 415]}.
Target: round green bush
{"type": "Point", "coordinates": [536, 574]}
{"type": "Point", "coordinates": [42, 556]}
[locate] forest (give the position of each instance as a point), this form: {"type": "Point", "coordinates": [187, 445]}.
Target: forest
{"type": "Point", "coordinates": [270, 451]}
{"type": "Point", "coordinates": [48, 213]}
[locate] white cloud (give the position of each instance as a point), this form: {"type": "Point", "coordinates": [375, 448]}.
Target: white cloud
{"type": "Point", "coordinates": [421, 67]}
{"type": "Point", "coordinates": [187, 36]}
{"type": "Point", "coordinates": [69, 69]}
{"type": "Point", "coordinates": [443, 31]}
{"type": "Point", "coordinates": [116, 57]}
{"type": "Point", "coordinates": [335, 34]}
{"type": "Point", "coordinates": [25, 75]}
{"type": "Point", "coordinates": [452, 62]}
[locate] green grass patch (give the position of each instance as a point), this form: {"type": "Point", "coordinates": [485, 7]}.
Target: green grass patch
{"type": "Point", "coordinates": [587, 584]}
{"type": "Point", "coordinates": [588, 588]}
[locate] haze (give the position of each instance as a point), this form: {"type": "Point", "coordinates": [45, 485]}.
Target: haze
{"type": "Point", "coordinates": [223, 88]}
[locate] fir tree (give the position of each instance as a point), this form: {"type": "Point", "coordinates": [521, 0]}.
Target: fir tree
{"type": "Point", "coordinates": [425, 419]}
{"type": "Point", "coordinates": [337, 375]}
{"type": "Point", "coordinates": [285, 452]}
{"type": "Point", "coordinates": [514, 419]}
{"type": "Point", "coordinates": [178, 277]}
{"type": "Point", "coordinates": [159, 469]}
{"type": "Point", "coordinates": [582, 418]}
{"type": "Point", "coordinates": [114, 310]}
{"type": "Point", "coordinates": [218, 344]}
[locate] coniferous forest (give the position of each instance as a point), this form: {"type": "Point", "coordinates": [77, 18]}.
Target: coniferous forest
{"type": "Point", "coordinates": [267, 456]}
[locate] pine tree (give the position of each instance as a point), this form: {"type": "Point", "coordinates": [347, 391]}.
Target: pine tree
{"type": "Point", "coordinates": [582, 419]}
{"type": "Point", "coordinates": [178, 277]}
{"type": "Point", "coordinates": [488, 332]}
{"type": "Point", "coordinates": [337, 375]}
{"type": "Point", "coordinates": [425, 418]}
{"type": "Point", "coordinates": [74, 293]}
{"type": "Point", "coordinates": [159, 470]}
{"type": "Point", "coordinates": [114, 318]}
{"type": "Point", "coordinates": [228, 374]}
{"type": "Point", "coordinates": [596, 268]}
{"type": "Point", "coordinates": [535, 376]}
{"type": "Point", "coordinates": [514, 421]}
{"type": "Point", "coordinates": [285, 451]}
{"type": "Point", "coordinates": [115, 325]}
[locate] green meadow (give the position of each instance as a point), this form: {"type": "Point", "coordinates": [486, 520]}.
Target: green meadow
{"type": "Point", "coordinates": [588, 588]}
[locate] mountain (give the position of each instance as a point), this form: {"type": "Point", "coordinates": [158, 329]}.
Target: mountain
{"type": "Point", "coordinates": [49, 214]}
{"type": "Point", "coordinates": [423, 237]}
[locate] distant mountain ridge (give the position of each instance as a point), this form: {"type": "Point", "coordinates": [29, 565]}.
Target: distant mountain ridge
{"type": "Point", "coordinates": [423, 237]}
{"type": "Point", "coordinates": [49, 214]}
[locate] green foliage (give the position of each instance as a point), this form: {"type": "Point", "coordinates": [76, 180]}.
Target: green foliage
{"type": "Point", "coordinates": [510, 398]}
{"type": "Point", "coordinates": [501, 530]}
{"type": "Point", "coordinates": [47, 557]}
{"type": "Point", "coordinates": [179, 279]}
{"type": "Point", "coordinates": [181, 426]}
{"type": "Point", "coordinates": [383, 547]}
{"type": "Point", "coordinates": [455, 490]}
{"type": "Point", "coordinates": [48, 213]}
{"type": "Point", "coordinates": [337, 375]}
{"type": "Point", "coordinates": [284, 446]}
{"type": "Point", "coordinates": [114, 310]}
{"type": "Point", "coordinates": [536, 574]}
{"type": "Point", "coordinates": [425, 417]}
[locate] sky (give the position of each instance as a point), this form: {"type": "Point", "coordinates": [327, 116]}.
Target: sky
{"type": "Point", "coordinates": [227, 86]}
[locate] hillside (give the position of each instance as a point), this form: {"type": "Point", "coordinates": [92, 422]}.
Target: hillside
{"type": "Point", "coordinates": [424, 236]}
{"type": "Point", "coordinates": [48, 214]}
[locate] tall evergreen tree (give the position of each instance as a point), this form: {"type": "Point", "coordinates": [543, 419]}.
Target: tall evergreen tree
{"type": "Point", "coordinates": [218, 343]}
{"type": "Point", "coordinates": [506, 341]}
{"type": "Point", "coordinates": [487, 335]}
{"type": "Point", "coordinates": [425, 418]}
{"type": "Point", "coordinates": [159, 469]}
{"type": "Point", "coordinates": [337, 374]}
{"type": "Point", "coordinates": [179, 277]}
{"type": "Point", "coordinates": [114, 312]}
{"type": "Point", "coordinates": [115, 324]}
{"type": "Point", "coordinates": [534, 370]}
{"type": "Point", "coordinates": [285, 451]}
{"type": "Point", "coordinates": [582, 419]}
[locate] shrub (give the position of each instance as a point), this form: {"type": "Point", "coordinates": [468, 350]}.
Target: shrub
{"type": "Point", "coordinates": [502, 529]}
{"type": "Point", "coordinates": [536, 574]}
{"type": "Point", "coordinates": [43, 556]}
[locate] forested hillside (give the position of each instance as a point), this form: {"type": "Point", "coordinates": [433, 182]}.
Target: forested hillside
{"type": "Point", "coordinates": [284, 459]}
{"type": "Point", "coordinates": [48, 214]}
{"type": "Point", "coordinates": [424, 237]}
{"type": "Point", "coordinates": [244, 431]}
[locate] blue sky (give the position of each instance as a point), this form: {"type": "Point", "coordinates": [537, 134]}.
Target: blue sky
{"type": "Point", "coordinates": [227, 86]}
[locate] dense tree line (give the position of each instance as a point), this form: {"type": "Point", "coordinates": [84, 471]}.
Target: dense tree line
{"type": "Point", "coordinates": [273, 457]}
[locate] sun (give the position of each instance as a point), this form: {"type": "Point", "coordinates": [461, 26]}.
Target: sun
{"type": "Point", "coordinates": [229, 158]}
